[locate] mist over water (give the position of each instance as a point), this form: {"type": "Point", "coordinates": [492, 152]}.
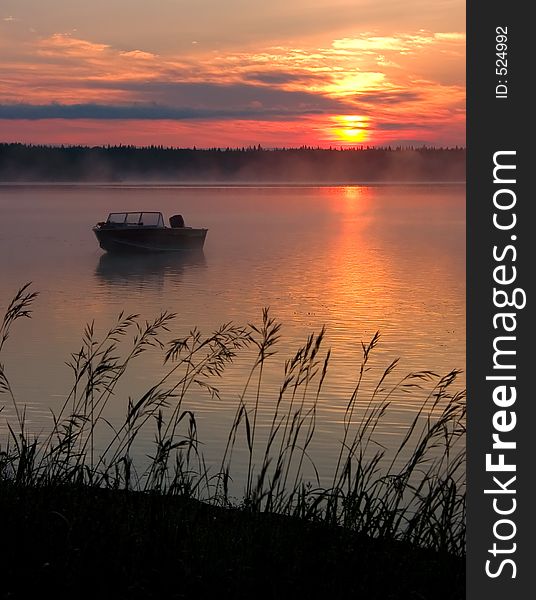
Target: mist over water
{"type": "Point", "coordinates": [356, 259]}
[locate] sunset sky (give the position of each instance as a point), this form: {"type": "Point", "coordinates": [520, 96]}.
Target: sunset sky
{"type": "Point", "coordinates": [233, 73]}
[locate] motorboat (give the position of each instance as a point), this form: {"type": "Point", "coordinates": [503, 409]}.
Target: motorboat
{"type": "Point", "coordinates": [146, 232]}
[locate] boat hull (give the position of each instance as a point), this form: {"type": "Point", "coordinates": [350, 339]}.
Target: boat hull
{"type": "Point", "coordinates": [150, 240]}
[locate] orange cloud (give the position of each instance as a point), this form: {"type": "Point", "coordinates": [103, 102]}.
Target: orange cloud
{"type": "Point", "coordinates": [407, 86]}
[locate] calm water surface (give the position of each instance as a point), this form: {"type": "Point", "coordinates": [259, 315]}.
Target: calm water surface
{"type": "Point", "coordinates": [355, 259]}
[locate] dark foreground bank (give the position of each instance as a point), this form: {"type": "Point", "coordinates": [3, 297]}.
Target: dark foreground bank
{"type": "Point", "coordinates": [384, 529]}
{"type": "Point", "coordinates": [81, 542]}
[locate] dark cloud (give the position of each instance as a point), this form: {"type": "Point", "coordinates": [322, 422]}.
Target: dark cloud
{"type": "Point", "coordinates": [281, 77]}
{"type": "Point", "coordinates": [146, 112]}
{"type": "Point", "coordinates": [216, 96]}
{"type": "Point", "coordinates": [403, 125]}
{"type": "Point", "coordinates": [390, 97]}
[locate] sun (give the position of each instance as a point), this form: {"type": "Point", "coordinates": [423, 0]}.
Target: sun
{"type": "Point", "coordinates": [350, 129]}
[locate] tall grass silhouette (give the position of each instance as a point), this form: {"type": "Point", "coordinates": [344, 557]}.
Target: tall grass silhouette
{"type": "Point", "coordinates": [416, 494]}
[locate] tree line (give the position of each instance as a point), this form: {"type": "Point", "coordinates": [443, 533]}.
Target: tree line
{"type": "Point", "coordinates": [34, 163]}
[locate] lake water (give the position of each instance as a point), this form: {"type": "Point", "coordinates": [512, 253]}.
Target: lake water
{"type": "Point", "coordinates": [356, 259]}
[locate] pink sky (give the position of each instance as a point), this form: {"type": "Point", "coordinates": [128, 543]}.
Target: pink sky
{"type": "Point", "coordinates": [284, 74]}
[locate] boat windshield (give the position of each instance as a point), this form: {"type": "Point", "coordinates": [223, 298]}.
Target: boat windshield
{"type": "Point", "coordinates": [117, 217]}
{"type": "Point", "coordinates": [143, 219]}
{"type": "Point", "coordinates": [133, 218]}
{"type": "Point", "coordinates": [152, 219]}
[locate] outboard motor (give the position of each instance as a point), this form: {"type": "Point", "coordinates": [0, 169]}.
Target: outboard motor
{"type": "Point", "coordinates": [176, 221]}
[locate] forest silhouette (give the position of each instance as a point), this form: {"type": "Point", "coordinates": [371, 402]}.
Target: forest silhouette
{"type": "Point", "coordinates": [253, 164]}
